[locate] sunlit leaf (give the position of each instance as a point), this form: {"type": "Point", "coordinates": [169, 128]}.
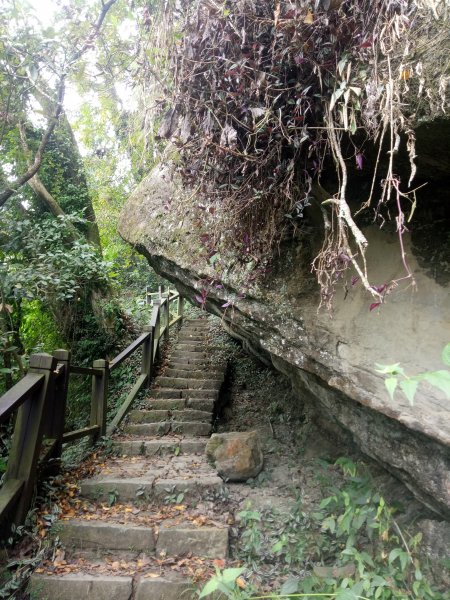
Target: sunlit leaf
{"type": "Point", "coordinates": [446, 355]}
{"type": "Point", "coordinates": [409, 388]}
{"type": "Point", "coordinates": [391, 385]}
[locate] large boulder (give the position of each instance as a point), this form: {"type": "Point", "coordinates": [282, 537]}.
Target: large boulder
{"type": "Point", "coordinates": [237, 456]}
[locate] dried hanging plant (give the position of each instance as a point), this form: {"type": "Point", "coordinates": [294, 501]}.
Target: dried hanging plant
{"type": "Point", "coordinates": [264, 91]}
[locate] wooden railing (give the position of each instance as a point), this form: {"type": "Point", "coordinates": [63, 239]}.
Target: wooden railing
{"type": "Point", "coordinates": [39, 402]}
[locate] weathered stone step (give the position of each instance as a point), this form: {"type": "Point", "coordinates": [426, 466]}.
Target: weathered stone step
{"type": "Point", "coordinates": [169, 539]}
{"type": "Point", "coordinates": [192, 337]}
{"type": "Point", "coordinates": [85, 586]}
{"type": "Point", "coordinates": [179, 539]}
{"type": "Point", "coordinates": [148, 488]}
{"type": "Point", "coordinates": [148, 429]}
{"type": "Point", "coordinates": [183, 383]}
{"type": "Point", "coordinates": [166, 403]}
{"type": "Point", "coordinates": [201, 404]}
{"type": "Point", "coordinates": [196, 323]}
{"type": "Point", "coordinates": [160, 446]}
{"type": "Point", "coordinates": [194, 373]}
{"type": "Point", "coordinates": [154, 416]}
{"type": "Point", "coordinates": [167, 587]}
{"type": "Point", "coordinates": [198, 363]}
{"type": "Point", "coordinates": [164, 427]}
{"type": "Point", "coordinates": [189, 354]}
{"type": "Point", "coordinates": [183, 363]}
{"type": "Point", "coordinates": [190, 346]}
{"type": "Point", "coordinates": [171, 394]}
{"type": "Point", "coordinates": [102, 535]}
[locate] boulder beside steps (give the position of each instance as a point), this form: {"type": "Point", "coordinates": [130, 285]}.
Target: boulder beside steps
{"type": "Point", "coordinates": [161, 464]}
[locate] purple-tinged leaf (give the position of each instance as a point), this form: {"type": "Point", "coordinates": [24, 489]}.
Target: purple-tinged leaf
{"type": "Point", "coordinates": [355, 280]}
{"type": "Point", "coordinates": [359, 161]}
{"type": "Point", "coordinates": [226, 305]}
{"type": "Point", "coordinates": [374, 305]}
{"type": "Point", "coordinates": [200, 300]}
{"type": "Point", "coordinates": [379, 288]}
{"type": "Point", "coordinates": [219, 286]}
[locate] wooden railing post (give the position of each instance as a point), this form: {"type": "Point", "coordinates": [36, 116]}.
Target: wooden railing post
{"type": "Point", "coordinates": [55, 429]}
{"type": "Point", "coordinates": [180, 311]}
{"type": "Point", "coordinates": [157, 329]}
{"type": "Point", "coordinates": [28, 434]}
{"type": "Point", "coordinates": [147, 356]}
{"type": "Point", "coordinates": [99, 398]}
{"type": "Point", "coordinates": [167, 318]}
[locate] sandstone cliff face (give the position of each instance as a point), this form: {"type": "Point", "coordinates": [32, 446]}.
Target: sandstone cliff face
{"type": "Point", "coordinates": [330, 361]}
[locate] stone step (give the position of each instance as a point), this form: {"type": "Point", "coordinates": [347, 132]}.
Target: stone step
{"type": "Point", "coordinates": [191, 337]}
{"type": "Point", "coordinates": [198, 363]}
{"type": "Point", "coordinates": [184, 383]}
{"type": "Point", "coordinates": [164, 427]}
{"type": "Point", "coordinates": [148, 488]}
{"type": "Point", "coordinates": [190, 346]}
{"type": "Point", "coordinates": [160, 446]}
{"type": "Point", "coordinates": [165, 393]}
{"type": "Point", "coordinates": [166, 403]}
{"type": "Point", "coordinates": [85, 586]}
{"type": "Point", "coordinates": [196, 323]}
{"type": "Point", "coordinates": [189, 354]}
{"type": "Point", "coordinates": [171, 394]}
{"type": "Point", "coordinates": [102, 535]}
{"type": "Point", "coordinates": [169, 587]}
{"type": "Point", "coordinates": [201, 404]}
{"type": "Point", "coordinates": [176, 539]}
{"type": "Point", "coordinates": [156, 416]}
{"type": "Point", "coordinates": [148, 429]}
{"type": "Point", "coordinates": [210, 394]}
{"type": "Point", "coordinates": [194, 373]}
{"type": "Point", "coordinates": [171, 538]}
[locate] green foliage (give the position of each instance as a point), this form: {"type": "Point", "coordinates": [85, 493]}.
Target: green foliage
{"type": "Point", "coordinates": [350, 547]}
{"type": "Point", "coordinates": [397, 378]}
{"type": "Point", "coordinates": [38, 330]}
{"type": "Point", "coordinates": [44, 262]}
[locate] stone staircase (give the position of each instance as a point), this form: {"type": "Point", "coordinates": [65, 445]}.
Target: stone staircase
{"type": "Point", "coordinates": [146, 520]}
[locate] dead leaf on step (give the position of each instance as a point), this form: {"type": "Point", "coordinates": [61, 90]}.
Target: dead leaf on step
{"type": "Point", "coordinates": [60, 555]}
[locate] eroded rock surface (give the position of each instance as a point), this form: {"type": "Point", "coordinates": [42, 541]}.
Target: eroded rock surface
{"type": "Point", "coordinates": [330, 361]}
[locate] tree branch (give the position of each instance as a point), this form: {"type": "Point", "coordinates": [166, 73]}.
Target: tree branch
{"type": "Point", "coordinates": [95, 31]}
{"type": "Point", "coordinates": [41, 191]}
{"type": "Point", "coordinates": [34, 167]}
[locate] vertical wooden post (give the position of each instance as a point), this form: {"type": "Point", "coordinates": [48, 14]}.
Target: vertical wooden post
{"type": "Point", "coordinates": [147, 356]}
{"type": "Point", "coordinates": [57, 414]}
{"type": "Point", "coordinates": [99, 398]}
{"type": "Point", "coordinates": [28, 434]}
{"type": "Point", "coordinates": [167, 319]}
{"type": "Point", "coordinates": [180, 306]}
{"type": "Point", "coordinates": [157, 329]}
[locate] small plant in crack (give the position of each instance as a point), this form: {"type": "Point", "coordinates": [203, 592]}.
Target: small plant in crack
{"type": "Point", "coordinates": [173, 496]}
{"type": "Point", "coordinates": [113, 496]}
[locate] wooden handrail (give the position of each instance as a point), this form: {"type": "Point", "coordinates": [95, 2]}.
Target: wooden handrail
{"type": "Point", "coordinates": [17, 395]}
{"type": "Point", "coordinates": [75, 370]}
{"type": "Point", "coordinates": [129, 350]}
{"type": "Point", "coordinates": [39, 399]}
